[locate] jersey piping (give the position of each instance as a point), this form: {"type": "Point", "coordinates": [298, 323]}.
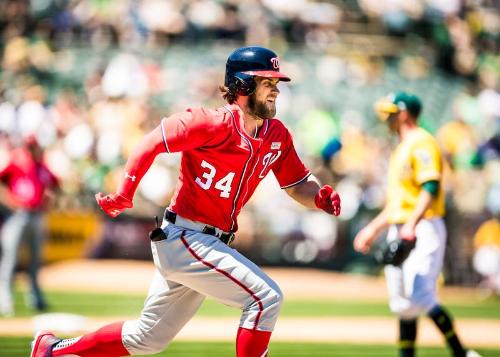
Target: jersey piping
{"type": "Point", "coordinates": [251, 174]}
{"type": "Point", "coordinates": [235, 200]}
{"type": "Point", "coordinates": [163, 135]}
{"type": "Point", "coordinates": [297, 182]}
{"type": "Point", "coordinates": [227, 275]}
{"type": "Point", "coordinates": [267, 127]}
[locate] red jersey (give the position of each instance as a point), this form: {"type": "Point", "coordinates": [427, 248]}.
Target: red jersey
{"type": "Point", "coordinates": [27, 179]}
{"type": "Point", "coordinates": [222, 165]}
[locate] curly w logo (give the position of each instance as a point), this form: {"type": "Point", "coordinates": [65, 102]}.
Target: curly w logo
{"type": "Point", "coordinates": [268, 159]}
{"type": "Point", "coordinates": [276, 62]}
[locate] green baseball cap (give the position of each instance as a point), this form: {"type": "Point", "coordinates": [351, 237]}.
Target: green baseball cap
{"type": "Point", "coordinates": [396, 102]}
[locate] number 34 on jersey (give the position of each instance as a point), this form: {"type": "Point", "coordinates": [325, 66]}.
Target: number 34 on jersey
{"type": "Point", "coordinates": [207, 178]}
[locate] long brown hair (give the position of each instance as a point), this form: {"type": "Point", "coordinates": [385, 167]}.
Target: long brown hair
{"type": "Point", "coordinates": [228, 95]}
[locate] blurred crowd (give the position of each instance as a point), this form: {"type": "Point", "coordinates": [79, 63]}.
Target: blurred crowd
{"type": "Point", "coordinates": [89, 78]}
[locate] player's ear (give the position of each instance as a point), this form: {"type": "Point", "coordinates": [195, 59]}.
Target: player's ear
{"type": "Point", "coordinates": [406, 115]}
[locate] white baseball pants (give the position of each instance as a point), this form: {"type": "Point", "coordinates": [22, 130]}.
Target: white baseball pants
{"type": "Point", "coordinates": [191, 265]}
{"type": "Point", "coordinates": [412, 287]}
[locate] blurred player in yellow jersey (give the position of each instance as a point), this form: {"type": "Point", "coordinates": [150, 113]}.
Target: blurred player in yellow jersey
{"type": "Point", "coordinates": [414, 211]}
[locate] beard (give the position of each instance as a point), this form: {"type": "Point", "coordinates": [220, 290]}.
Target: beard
{"type": "Point", "coordinates": [261, 109]}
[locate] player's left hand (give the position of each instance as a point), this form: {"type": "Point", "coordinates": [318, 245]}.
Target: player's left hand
{"type": "Point", "coordinates": [113, 204]}
{"type": "Point", "coordinates": [364, 239]}
{"type": "Point", "coordinates": [328, 200]}
{"type": "Point", "coordinates": [407, 231]}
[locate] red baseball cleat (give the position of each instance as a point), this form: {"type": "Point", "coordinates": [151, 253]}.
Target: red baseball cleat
{"type": "Point", "coordinates": [42, 344]}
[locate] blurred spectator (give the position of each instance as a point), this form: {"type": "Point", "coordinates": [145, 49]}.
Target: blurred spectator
{"type": "Point", "coordinates": [459, 139]}
{"type": "Point", "coordinates": [459, 143]}
{"type": "Point", "coordinates": [27, 186]}
{"type": "Point", "coordinates": [316, 130]}
{"type": "Point", "coordinates": [88, 78]}
{"type": "Point", "coordinates": [487, 245]}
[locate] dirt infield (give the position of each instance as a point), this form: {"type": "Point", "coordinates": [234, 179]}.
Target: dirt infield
{"type": "Point", "coordinates": [134, 276]}
{"type": "Point", "coordinates": [127, 276]}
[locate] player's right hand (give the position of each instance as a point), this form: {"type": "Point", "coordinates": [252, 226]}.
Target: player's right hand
{"type": "Point", "coordinates": [113, 204]}
{"type": "Point", "coordinates": [363, 240]}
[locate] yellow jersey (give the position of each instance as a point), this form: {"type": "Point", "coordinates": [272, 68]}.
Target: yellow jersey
{"type": "Point", "coordinates": [415, 160]}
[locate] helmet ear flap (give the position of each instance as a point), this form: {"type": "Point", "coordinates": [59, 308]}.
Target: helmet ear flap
{"type": "Point", "coordinates": [243, 84]}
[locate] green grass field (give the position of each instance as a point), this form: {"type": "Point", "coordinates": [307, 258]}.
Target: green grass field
{"type": "Point", "coordinates": [18, 347]}
{"type": "Point", "coordinates": [130, 305]}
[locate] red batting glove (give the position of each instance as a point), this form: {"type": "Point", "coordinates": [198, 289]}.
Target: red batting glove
{"type": "Point", "coordinates": [328, 200]}
{"type": "Point", "coordinates": [113, 204]}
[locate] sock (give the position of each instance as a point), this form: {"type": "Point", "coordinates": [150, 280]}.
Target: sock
{"type": "Point", "coordinates": [105, 342]}
{"type": "Point", "coordinates": [443, 321]}
{"type": "Point", "coordinates": [252, 343]}
{"type": "Point", "coordinates": [407, 337]}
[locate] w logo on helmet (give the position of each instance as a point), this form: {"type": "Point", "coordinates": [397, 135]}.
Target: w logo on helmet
{"type": "Point", "coordinates": [276, 62]}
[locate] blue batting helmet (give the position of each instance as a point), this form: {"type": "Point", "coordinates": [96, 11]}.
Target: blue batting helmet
{"type": "Point", "coordinates": [247, 62]}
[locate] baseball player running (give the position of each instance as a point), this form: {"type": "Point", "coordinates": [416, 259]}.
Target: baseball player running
{"type": "Point", "coordinates": [414, 211]}
{"type": "Point", "coordinates": [226, 152]}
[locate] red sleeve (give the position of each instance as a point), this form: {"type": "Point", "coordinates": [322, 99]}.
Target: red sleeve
{"type": "Point", "coordinates": [191, 129]}
{"type": "Point", "coordinates": [139, 162]}
{"type": "Point", "coordinates": [290, 170]}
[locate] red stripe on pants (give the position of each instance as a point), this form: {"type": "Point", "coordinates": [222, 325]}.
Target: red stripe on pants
{"type": "Point", "coordinates": [236, 281]}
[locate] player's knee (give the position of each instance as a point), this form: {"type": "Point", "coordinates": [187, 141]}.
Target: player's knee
{"type": "Point", "coordinates": [402, 307]}
{"type": "Point", "coordinates": [272, 301]}
{"type": "Point", "coordinates": [267, 304]}
{"type": "Point", "coordinates": [408, 310]}
{"type": "Point", "coordinates": [420, 303]}
{"type": "Point", "coordinates": [408, 314]}
{"type": "Point", "coordinates": [276, 297]}
{"type": "Point", "coordinates": [140, 337]}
